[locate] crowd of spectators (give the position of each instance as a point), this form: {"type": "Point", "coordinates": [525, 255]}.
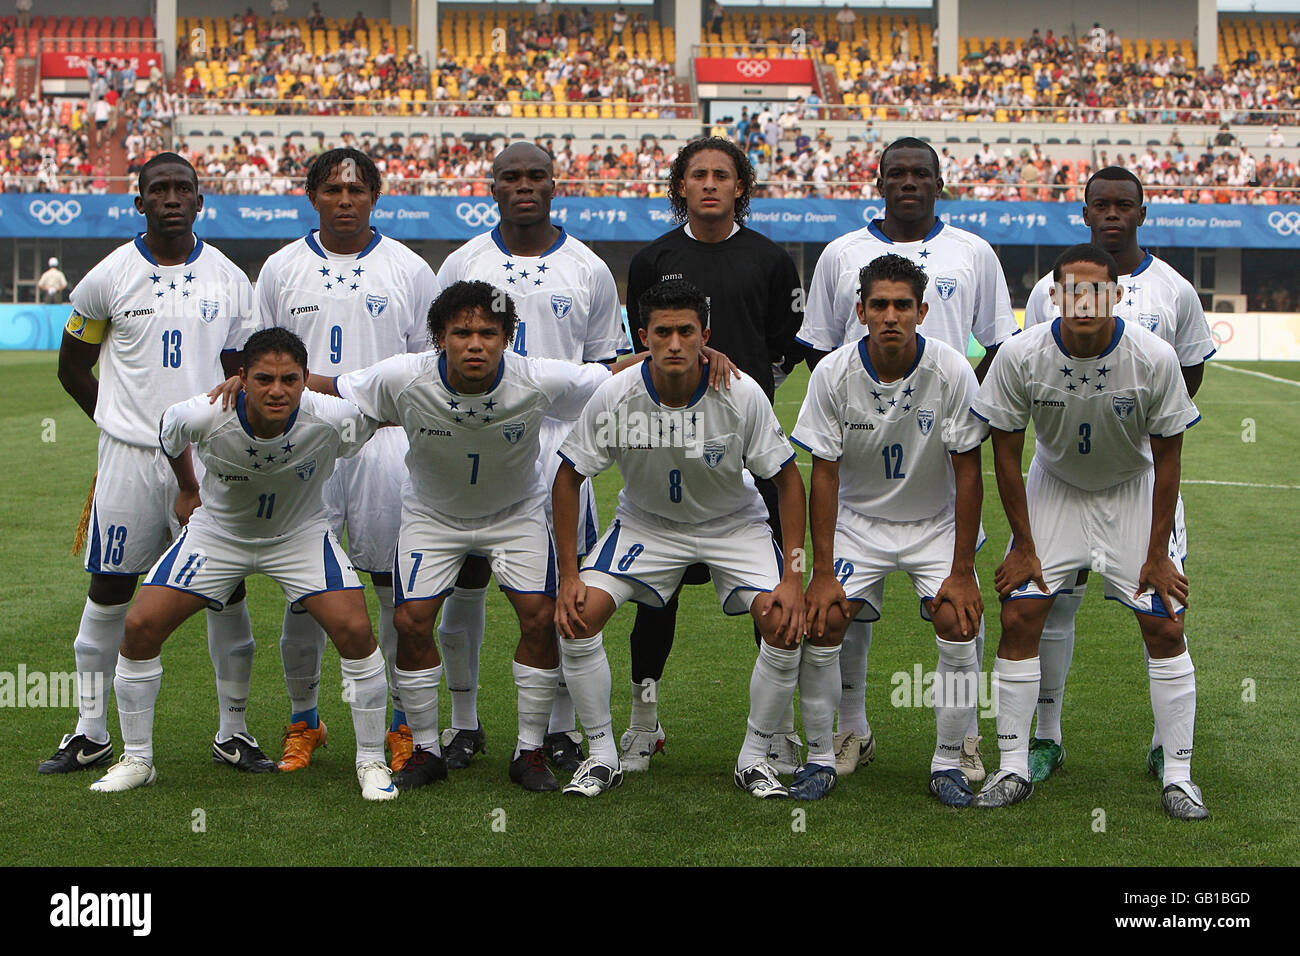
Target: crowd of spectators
{"type": "Point", "coordinates": [40, 153]}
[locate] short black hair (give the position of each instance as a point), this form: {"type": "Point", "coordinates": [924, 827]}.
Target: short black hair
{"type": "Point", "coordinates": [892, 268]}
{"type": "Point", "coordinates": [324, 164]}
{"type": "Point", "coordinates": [277, 340]}
{"type": "Point", "coordinates": [1115, 174]}
{"type": "Point", "coordinates": [909, 142]}
{"type": "Point", "coordinates": [673, 294]}
{"type": "Point", "coordinates": [478, 294]}
{"type": "Point", "coordinates": [165, 159]}
{"type": "Point", "coordinates": [1085, 252]}
{"type": "Point", "coordinates": [744, 173]}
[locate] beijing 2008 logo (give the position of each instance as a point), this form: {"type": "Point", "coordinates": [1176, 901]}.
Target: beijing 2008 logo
{"type": "Point", "coordinates": [753, 69]}
{"type": "Point", "coordinates": [54, 211]}
{"type": "Point", "coordinates": [1284, 223]}
{"type": "Point", "coordinates": [477, 214]}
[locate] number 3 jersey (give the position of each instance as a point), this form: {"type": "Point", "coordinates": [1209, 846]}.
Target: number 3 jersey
{"type": "Point", "coordinates": [259, 488]}
{"type": "Point", "coordinates": [893, 440]}
{"type": "Point", "coordinates": [471, 455]}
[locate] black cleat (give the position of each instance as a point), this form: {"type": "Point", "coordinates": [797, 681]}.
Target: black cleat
{"type": "Point", "coordinates": [565, 752]}
{"type": "Point", "coordinates": [460, 746]}
{"type": "Point", "coordinates": [77, 752]}
{"type": "Point", "coordinates": [531, 771]}
{"type": "Point", "coordinates": [422, 768]}
{"type": "Point", "coordinates": [241, 752]}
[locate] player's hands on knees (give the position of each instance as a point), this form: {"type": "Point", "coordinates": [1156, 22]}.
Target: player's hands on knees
{"type": "Point", "coordinates": [186, 503]}
{"type": "Point", "coordinates": [1017, 568]}
{"type": "Point", "coordinates": [784, 612]}
{"type": "Point", "coordinates": [962, 591]}
{"type": "Point", "coordinates": [720, 368]}
{"type": "Point", "coordinates": [227, 391]}
{"type": "Point", "coordinates": [824, 592]}
{"type": "Point", "coordinates": [570, 602]}
{"type": "Point", "coordinates": [1160, 575]}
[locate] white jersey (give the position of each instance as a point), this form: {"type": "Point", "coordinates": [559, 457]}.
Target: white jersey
{"type": "Point", "coordinates": [1157, 298]}
{"type": "Point", "coordinates": [566, 297]}
{"type": "Point", "coordinates": [686, 466]}
{"type": "Point", "coordinates": [167, 328]}
{"type": "Point", "coordinates": [1093, 417]}
{"type": "Point", "coordinates": [259, 488]}
{"type": "Point", "coordinates": [471, 455]}
{"type": "Point", "coordinates": [893, 441]}
{"type": "Point", "coordinates": [351, 311]}
{"type": "Point", "coordinates": [967, 292]}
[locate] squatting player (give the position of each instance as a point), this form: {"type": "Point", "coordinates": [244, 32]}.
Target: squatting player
{"type": "Point", "coordinates": [683, 450]}
{"type": "Point", "coordinates": [1161, 301]}
{"type": "Point", "coordinates": [904, 399]}
{"type": "Point", "coordinates": [1109, 409]}
{"type": "Point", "coordinates": [267, 460]}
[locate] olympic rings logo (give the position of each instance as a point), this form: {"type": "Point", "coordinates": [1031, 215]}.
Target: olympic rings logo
{"type": "Point", "coordinates": [1284, 223]}
{"type": "Point", "coordinates": [753, 69]}
{"type": "Point", "coordinates": [54, 211]}
{"type": "Point", "coordinates": [478, 214]}
{"type": "Point", "coordinates": [872, 213]}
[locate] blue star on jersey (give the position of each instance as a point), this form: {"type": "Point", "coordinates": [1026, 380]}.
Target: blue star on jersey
{"type": "Point", "coordinates": [509, 267]}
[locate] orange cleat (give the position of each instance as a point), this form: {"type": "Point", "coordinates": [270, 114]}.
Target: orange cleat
{"type": "Point", "coordinates": [299, 742]}
{"type": "Point", "coordinates": [400, 745]}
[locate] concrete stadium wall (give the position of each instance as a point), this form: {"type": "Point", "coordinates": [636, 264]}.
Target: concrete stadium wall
{"type": "Point", "coordinates": [1155, 19]}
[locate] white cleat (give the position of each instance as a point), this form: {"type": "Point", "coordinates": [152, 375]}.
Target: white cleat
{"type": "Point", "coordinates": [592, 778]}
{"type": "Point", "coordinates": [376, 781]}
{"type": "Point", "coordinates": [636, 747]}
{"type": "Point", "coordinates": [784, 753]}
{"type": "Point", "coordinates": [972, 764]}
{"type": "Point", "coordinates": [129, 773]}
{"type": "Point", "coordinates": [759, 780]}
{"type": "Point", "coordinates": [853, 751]}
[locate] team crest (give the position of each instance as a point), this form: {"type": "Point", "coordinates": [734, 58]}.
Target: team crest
{"type": "Point", "coordinates": [1123, 405]}
{"type": "Point", "coordinates": [513, 432]}
{"type": "Point", "coordinates": [561, 305]}
{"type": "Point", "coordinates": [208, 309]}
{"type": "Point", "coordinates": [925, 420]}
{"type": "Point", "coordinates": [1148, 321]}
{"type": "Point", "coordinates": [713, 452]}
{"type": "Point", "coordinates": [375, 304]}
{"type": "Point", "coordinates": [306, 469]}
{"type": "Point", "coordinates": [946, 286]}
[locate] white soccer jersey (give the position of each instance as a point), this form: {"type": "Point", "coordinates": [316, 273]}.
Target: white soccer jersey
{"type": "Point", "coordinates": [471, 455]}
{"type": "Point", "coordinates": [350, 311]}
{"type": "Point", "coordinates": [967, 292]}
{"type": "Point", "coordinates": [167, 328]}
{"type": "Point", "coordinates": [1157, 298]}
{"type": "Point", "coordinates": [566, 297]}
{"type": "Point", "coordinates": [259, 488]}
{"type": "Point", "coordinates": [893, 441]}
{"type": "Point", "coordinates": [685, 466]}
{"type": "Point", "coordinates": [1093, 417]}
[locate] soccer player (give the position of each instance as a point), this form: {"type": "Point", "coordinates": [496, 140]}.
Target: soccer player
{"type": "Point", "coordinates": [754, 296]}
{"type": "Point", "coordinates": [267, 460]}
{"type": "Point", "coordinates": [1109, 408]}
{"type": "Point", "coordinates": [568, 309]}
{"type": "Point", "coordinates": [904, 398]}
{"type": "Point", "coordinates": [967, 295]}
{"type": "Point", "coordinates": [683, 450]}
{"type": "Point", "coordinates": [355, 297]}
{"type": "Point", "coordinates": [164, 316]}
{"type": "Point", "coordinates": [1161, 301]}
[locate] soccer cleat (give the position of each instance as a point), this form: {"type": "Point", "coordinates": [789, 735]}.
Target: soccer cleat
{"type": "Point", "coordinates": [460, 746]}
{"type": "Point", "coordinates": [376, 781]}
{"type": "Point", "coordinates": [1183, 801]}
{"type": "Point", "coordinates": [813, 781]}
{"type": "Point", "coordinates": [531, 771]}
{"type": "Point", "coordinates": [242, 753]}
{"type": "Point", "coordinates": [852, 751]}
{"type": "Point", "coordinates": [593, 778]}
{"type": "Point", "coordinates": [636, 747]}
{"type": "Point", "coordinates": [972, 763]}
{"type": "Point", "coordinates": [565, 750]}
{"type": "Point", "coordinates": [1156, 763]}
{"type": "Point", "coordinates": [784, 753]}
{"type": "Point", "coordinates": [760, 781]}
{"type": "Point", "coordinates": [951, 788]}
{"type": "Point", "coordinates": [400, 745]}
{"type": "Point", "coordinates": [127, 774]}
{"type": "Point", "coordinates": [1003, 789]}
{"type": "Point", "coordinates": [1044, 757]}
{"type": "Point", "coordinates": [299, 743]}
{"type": "Point", "coordinates": [422, 768]}
{"type": "Point", "coordinates": [77, 752]}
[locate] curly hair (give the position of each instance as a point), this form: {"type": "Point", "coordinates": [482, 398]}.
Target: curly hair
{"type": "Point", "coordinates": [892, 268]}
{"type": "Point", "coordinates": [324, 164]}
{"type": "Point", "coordinates": [744, 173]}
{"type": "Point", "coordinates": [459, 296]}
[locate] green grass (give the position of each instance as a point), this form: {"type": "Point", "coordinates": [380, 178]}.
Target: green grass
{"type": "Point", "coordinates": [686, 810]}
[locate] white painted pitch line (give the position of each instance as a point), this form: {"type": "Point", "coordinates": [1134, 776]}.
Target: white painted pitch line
{"type": "Point", "coordinates": [1246, 371]}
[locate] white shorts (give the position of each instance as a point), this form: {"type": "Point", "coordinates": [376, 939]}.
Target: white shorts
{"type": "Point", "coordinates": [1104, 531]}
{"type": "Point", "coordinates": [365, 494]}
{"type": "Point", "coordinates": [643, 563]}
{"type": "Point", "coordinates": [517, 543]}
{"type": "Point", "coordinates": [207, 563]}
{"type": "Point", "coordinates": [1178, 539]}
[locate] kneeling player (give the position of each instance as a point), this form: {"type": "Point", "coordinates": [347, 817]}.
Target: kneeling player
{"type": "Point", "coordinates": [1109, 409]}
{"type": "Point", "coordinates": [898, 396]}
{"type": "Point", "coordinates": [267, 460]}
{"type": "Point", "coordinates": [682, 449]}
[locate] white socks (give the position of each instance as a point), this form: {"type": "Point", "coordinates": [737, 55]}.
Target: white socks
{"type": "Point", "coordinates": [1173, 699]}
{"type": "Point", "coordinates": [420, 691]}
{"type": "Point", "coordinates": [369, 698]}
{"type": "Point", "coordinates": [586, 669]}
{"type": "Point", "coordinates": [231, 647]}
{"type": "Point", "coordinates": [99, 638]}
{"type": "Point", "coordinates": [388, 641]}
{"type": "Point", "coordinates": [1055, 651]}
{"type": "Point", "coordinates": [853, 679]}
{"type": "Point", "coordinates": [136, 685]}
{"type": "Point", "coordinates": [973, 721]}
{"type": "Point", "coordinates": [562, 715]}
{"type": "Point", "coordinates": [956, 692]}
{"type": "Point", "coordinates": [645, 704]}
{"type": "Point", "coordinates": [771, 687]}
{"type": "Point", "coordinates": [460, 637]}
{"type": "Point", "coordinates": [536, 689]}
{"type": "Point", "coordinates": [302, 644]}
{"type": "Point", "coordinates": [819, 689]}
{"type": "Point", "coordinates": [1015, 688]}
